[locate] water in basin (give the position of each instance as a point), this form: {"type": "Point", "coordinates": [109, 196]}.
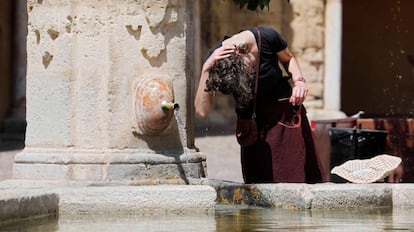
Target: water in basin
{"type": "Point", "coordinates": [228, 218]}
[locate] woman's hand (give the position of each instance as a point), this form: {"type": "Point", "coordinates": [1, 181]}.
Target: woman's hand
{"type": "Point", "coordinates": [299, 92]}
{"type": "Point", "coordinates": [218, 54]}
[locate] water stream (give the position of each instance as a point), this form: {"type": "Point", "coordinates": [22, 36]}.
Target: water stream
{"type": "Point", "coordinates": [182, 132]}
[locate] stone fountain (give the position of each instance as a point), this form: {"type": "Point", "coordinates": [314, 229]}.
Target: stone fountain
{"type": "Point", "coordinates": [109, 92]}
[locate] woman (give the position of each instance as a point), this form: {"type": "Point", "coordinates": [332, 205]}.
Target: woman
{"type": "Point", "coordinates": [284, 151]}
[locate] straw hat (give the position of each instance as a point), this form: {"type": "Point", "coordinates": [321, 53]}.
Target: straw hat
{"type": "Point", "coordinates": [367, 170]}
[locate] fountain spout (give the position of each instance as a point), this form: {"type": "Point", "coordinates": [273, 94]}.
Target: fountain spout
{"type": "Point", "coordinates": [167, 106]}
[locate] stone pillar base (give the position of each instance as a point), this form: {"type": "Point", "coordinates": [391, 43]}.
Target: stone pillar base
{"type": "Point", "coordinates": [131, 166]}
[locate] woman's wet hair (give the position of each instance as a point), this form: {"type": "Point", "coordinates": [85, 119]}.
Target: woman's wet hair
{"type": "Point", "coordinates": [232, 76]}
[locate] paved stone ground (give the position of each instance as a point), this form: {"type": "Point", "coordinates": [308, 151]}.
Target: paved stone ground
{"type": "Point", "coordinates": [223, 157]}
{"type": "Point", "coordinates": [215, 137]}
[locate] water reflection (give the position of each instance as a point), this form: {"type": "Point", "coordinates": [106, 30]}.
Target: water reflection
{"type": "Point", "coordinates": [384, 219]}
{"type": "Point", "coordinates": [230, 219]}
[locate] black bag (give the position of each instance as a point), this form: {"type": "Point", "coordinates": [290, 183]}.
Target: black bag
{"type": "Point", "coordinates": [246, 132]}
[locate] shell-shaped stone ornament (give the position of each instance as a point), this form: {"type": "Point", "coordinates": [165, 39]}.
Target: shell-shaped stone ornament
{"type": "Point", "coordinates": [154, 105]}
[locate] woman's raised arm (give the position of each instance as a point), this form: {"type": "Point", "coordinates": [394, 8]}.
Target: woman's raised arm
{"type": "Point", "coordinates": [203, 102]}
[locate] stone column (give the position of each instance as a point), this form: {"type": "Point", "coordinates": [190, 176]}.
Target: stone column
{"type": "Point", "coordinates": [333, 48]}
{"type": "Point", "coordinates": [85, 61]}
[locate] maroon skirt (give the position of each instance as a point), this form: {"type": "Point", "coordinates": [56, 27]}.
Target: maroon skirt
{"type": "Point", "coordinates": [285, 151]}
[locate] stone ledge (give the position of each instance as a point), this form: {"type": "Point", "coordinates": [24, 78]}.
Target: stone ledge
{"type": "Point", "coordinates": [179, 173]}
{"type": "Point", "coordinates": [403, 196]}
{"type": "Point", "coordinates": [327, 196]}
{"type": "Point", "coordinates": [106, 165]}
{"type": "Point", "coordinates": [140, 199]}
{"type": "Point", "coordinates": [20, 204]}
{"type": "Point", "coordinates": [317, 196]}
{"type": "Point", "coordinates": [65, 156]}
{"type": "Point", "coordinates": [21, 199]}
